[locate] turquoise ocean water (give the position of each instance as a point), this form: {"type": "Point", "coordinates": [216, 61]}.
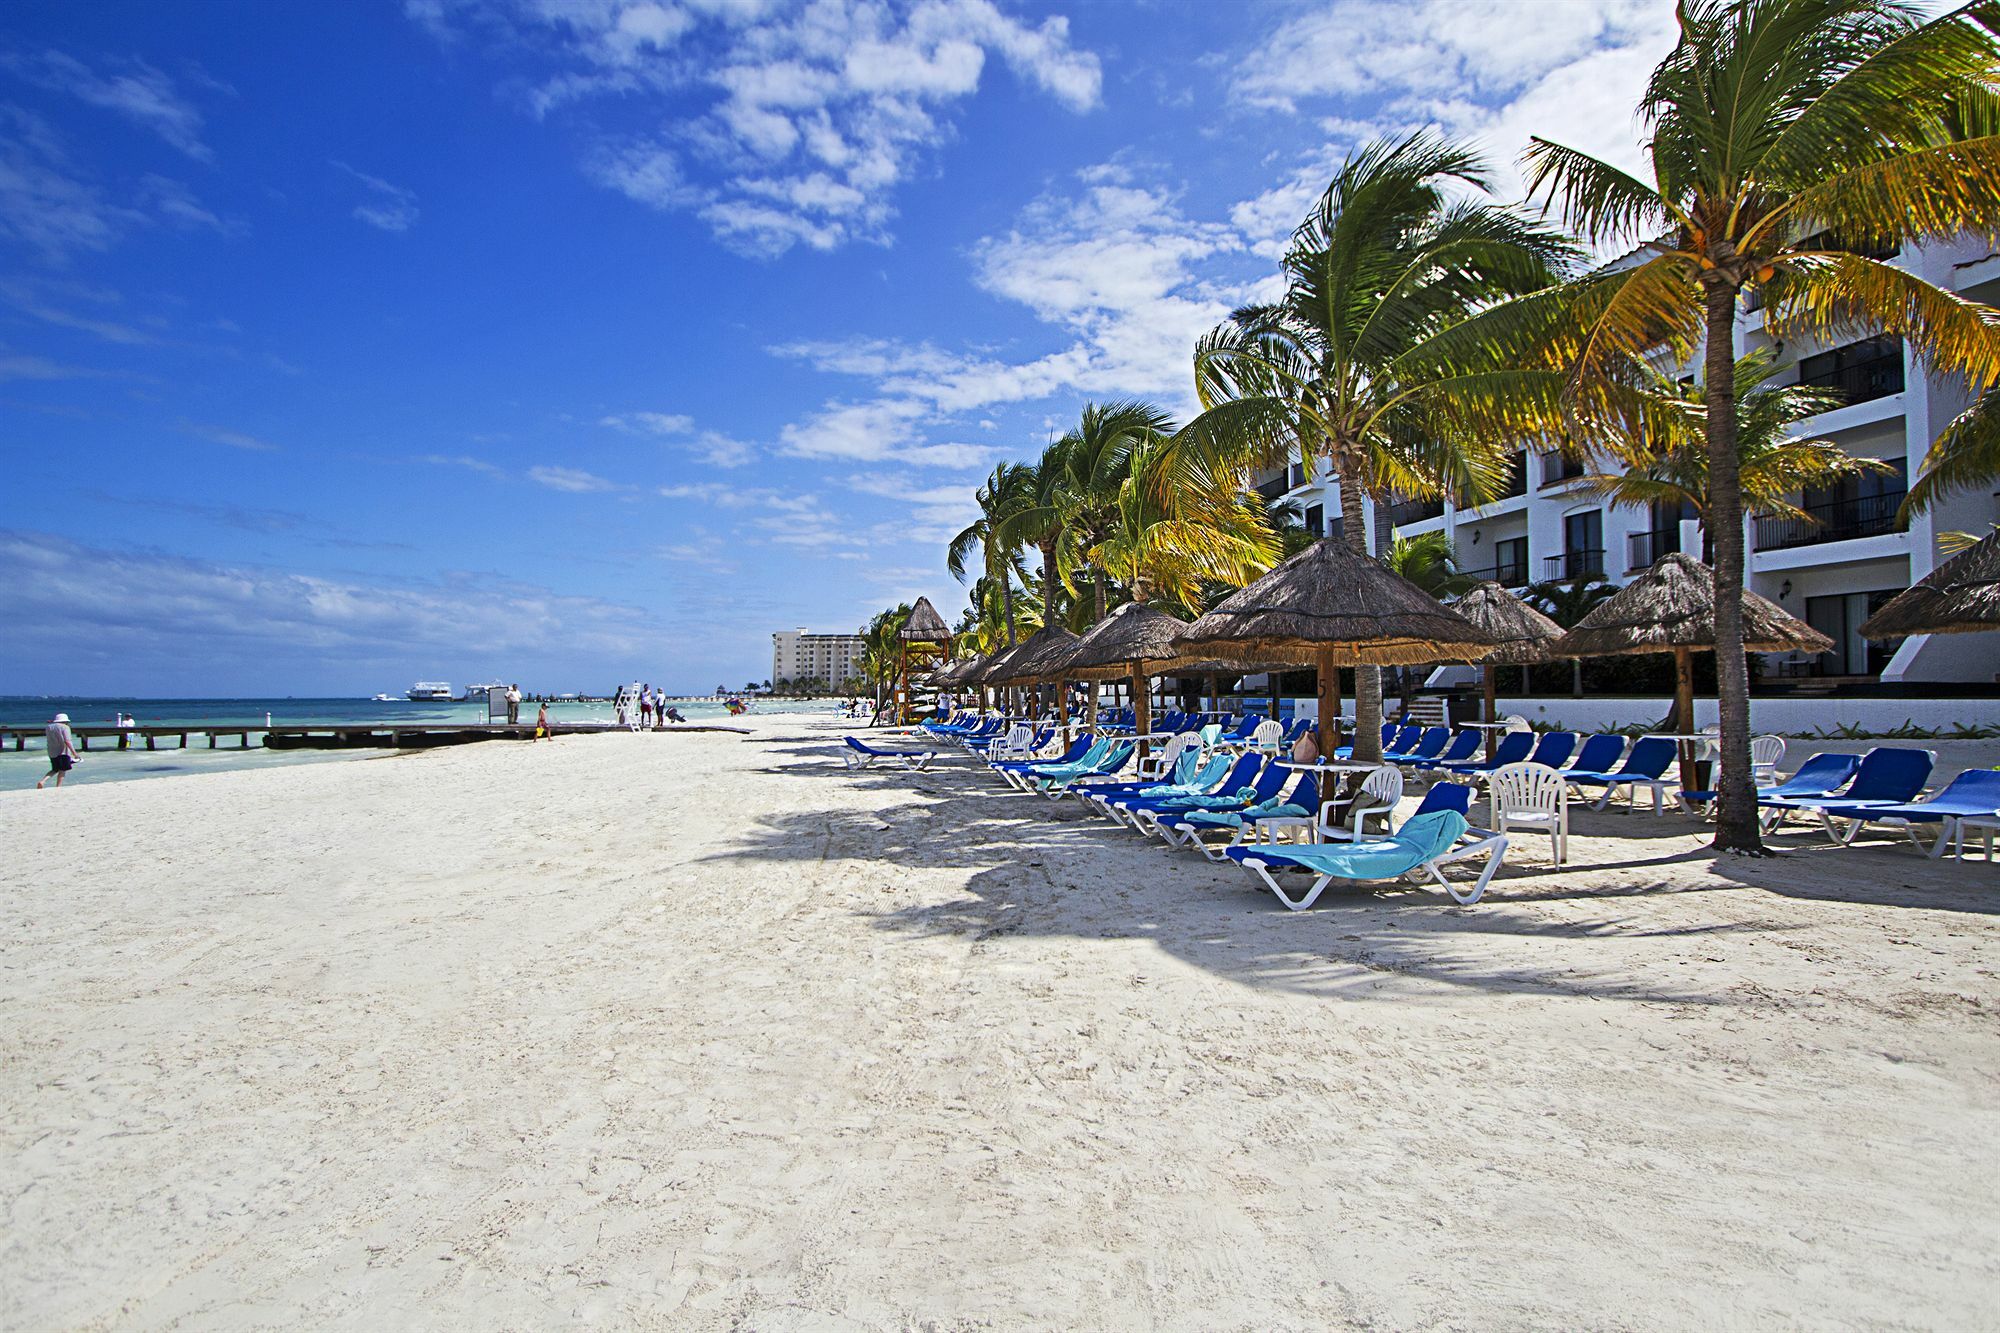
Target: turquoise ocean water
{"type": "Point", "coordinates": [110, 765]}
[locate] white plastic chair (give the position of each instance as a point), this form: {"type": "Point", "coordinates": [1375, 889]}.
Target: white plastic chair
{"type": "Point", "coordinates": [1531, 796]}
{"type": "Point", "coordinates": [1158, 764]}
{"type": "Point", "coordinates": [1267, 737]}
{"type": "Point", "coordinates": [1380, 791]}
{"type": "Point", "coordinates": [1515, 722]}
{"type": "Point", "coordinates": [1018, 743]}
{"type": "Point", "coordinates": [1765, 752]}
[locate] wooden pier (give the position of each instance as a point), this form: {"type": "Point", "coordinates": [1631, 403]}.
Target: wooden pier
{"type": "Point", "coordinates": [323, 736]}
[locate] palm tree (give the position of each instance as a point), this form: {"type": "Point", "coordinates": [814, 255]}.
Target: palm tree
{"type": "Point", "coordinates": [1353, 362]}
{"type": "Point", "coordinates": [1787, 137]}
{"type": "Point", "coordinates": [1566, 603]}
{"type": "Point", "coordinates": [1071, 508]}
{"type": "Point", "coordinates": [1668, 466]}
{"type": "Point", "coordinates": [1167, 538]}
{"type": "Point", "coordinates": [1005, 492]}
{"type": "Point", "coordinates": [881, 650]}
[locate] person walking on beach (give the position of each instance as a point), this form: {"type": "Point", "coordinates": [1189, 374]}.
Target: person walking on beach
{"type": "Point", "coordinates": [542, 720]}
{"type": "Point", "coordinates": [513, 705]}
{"type": "Point", "coordinates": [62, 750]}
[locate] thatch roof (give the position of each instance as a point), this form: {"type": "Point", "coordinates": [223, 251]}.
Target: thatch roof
{"type": "Point", "coordinates": [1134, 632]}
{"type": "Point", "coordinates": [1039, 656]}
{"type": "Point", "coordinates": [1960, 596]}
{"type": "Point", "coordinates": [1672, 605]}
{"type": "Point", "coordinates": [959, 672]}
{"type": "Point", "coordinates": [1328, 601]}
{"type": "Point", "coordinates": [999, 660]}
{"type": "Point", "coordinates": [925, 625]}
{"type": "Point", "coordinates": [1523, 633]}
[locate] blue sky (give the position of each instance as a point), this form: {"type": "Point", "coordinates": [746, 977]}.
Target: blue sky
{"type": "Point", "coordinates": [346, 344]}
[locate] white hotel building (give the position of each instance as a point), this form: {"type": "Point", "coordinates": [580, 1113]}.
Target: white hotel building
{"type": "Point", "coordinates": [833, 658]}
{"type": "Point", "coordinates": [1831, 574]}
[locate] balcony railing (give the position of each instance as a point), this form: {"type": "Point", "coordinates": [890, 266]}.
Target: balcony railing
{"type": "Point", "coordinates": [1274, 488]}
{"type": "Point", "coordinates": [1405, 512]}
{"type": "Point", "coordinates": [1643, 548]}
{"type": "Point", "coordinates": [1835, 521]}
{"type": "Point", "coordinates": [1862, 381]}
{"type": "Point", "coordinates": [1581, 563]}
{"type": "Point", "coordinates": [1508, 573]}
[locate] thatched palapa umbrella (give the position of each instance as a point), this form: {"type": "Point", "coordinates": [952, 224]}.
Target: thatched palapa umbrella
{"type": "Point", "coordinates": [1328, 607]}
{"type": "Point", "coordinates": [1671, 609]}
{"type": "Point", "coordinates": [1032, 660]}
{"type": "Point", "coordinates": [925, 626]}
{"type": "Point", "coordinates": [1960, 596]}
{"type": "Point", "coordinates": [1522, 633]}
{"type": "Point", "coordinates": [1127, 642]}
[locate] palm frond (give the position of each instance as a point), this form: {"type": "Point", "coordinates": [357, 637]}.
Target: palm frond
{"type": "Point", "coordinates": [1835, 296]}
{"type": "Point", "coordinates": [1601, 202]}
{"type": "Point", "coordinates": [1965, 456]}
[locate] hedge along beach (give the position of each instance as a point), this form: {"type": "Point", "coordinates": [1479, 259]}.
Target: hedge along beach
{"type": "Point", "coordinates": [705, 1029]}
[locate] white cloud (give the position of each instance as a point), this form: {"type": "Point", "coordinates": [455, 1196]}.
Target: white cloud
{"type": "Point", "coordinates": [234, 439]}
{"type": "Point", "coordinates": [571, 480]}
{"type": "Point", "coordinates": [386, 207]}
{"type": "Point", "coordinates": [1571, 71]}
{"type": "Point", "coordinates": [709, 446]}
{"type": "Point", "coordinates": [46, 202]}
{"type": "Point", "coordinates": [650, 423]}
{"type": "Point", "coordinates": [783, 125]}
{"type": "Point", "coordinates": [97, 606]}
{"type": "Point", "coordinates": [466, 461]}
{"type": "Point", "coordinates": [131, 88]}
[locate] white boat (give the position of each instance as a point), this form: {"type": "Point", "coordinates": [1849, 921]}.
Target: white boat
{"type": "Point", "coordinates": [430, 692]}
{"type": "Point", "coordinates": [384, 699]}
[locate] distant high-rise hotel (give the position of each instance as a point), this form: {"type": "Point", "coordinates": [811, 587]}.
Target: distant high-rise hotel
{"type": "Point", "coordinates": [797, 655]}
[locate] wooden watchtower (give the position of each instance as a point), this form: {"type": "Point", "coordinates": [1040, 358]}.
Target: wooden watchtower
{"type": "Point", "coordinates": [926, 643]}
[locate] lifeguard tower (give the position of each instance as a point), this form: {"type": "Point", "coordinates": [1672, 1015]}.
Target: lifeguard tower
{"type": "Point", "coordinates": [926, 645]}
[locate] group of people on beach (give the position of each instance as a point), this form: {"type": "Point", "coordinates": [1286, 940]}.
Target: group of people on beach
{"type": "Point", "coordinates": [654, 714]}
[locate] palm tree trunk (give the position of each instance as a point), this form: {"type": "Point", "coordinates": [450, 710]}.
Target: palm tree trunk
{"type": "Point", "coordinates": [1736, 814]}
{"type": "Point", "coordinates": [1007, 603]}
{"type": "Point", "coordinates": [1049, 583]}
{"type": "Point", "coordinates": [1098, 579]}
{"type": "Point", "coordinates": [1367, 680]}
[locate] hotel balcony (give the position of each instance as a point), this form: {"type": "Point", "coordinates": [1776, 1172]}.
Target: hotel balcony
{"type": "Point", "coordinates": [1833, 521]}
{"type": "Point", "coordinates": [1860, 372]}
{"type": "Point", "coordinates": [1581, 563]}
{"type": "Point", "coordinates": [1643, 548]}
{"type": "Point", "coordinates": [1507, 573]}
{"type": "Point", "coordinates": [1406, 512]}
{"type": "Point", "coordinates": [1558, 468]}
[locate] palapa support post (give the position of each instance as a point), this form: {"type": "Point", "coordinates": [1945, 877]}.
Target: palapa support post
{"type": "Point", "coordinates": [1062, 704]}
{"type": "Point", "coordinates": [1090, 723]}
{"type": "Point", "coordinates": [1684, 713]}
{"type": "Point", "coordinates": [1142, 706]}
{"type": "Point", "coordinates": [1214, 683]}
{"type": "Point", "coordinates": [1487, 688]}
{"type": "Point", "coordinates": [1329, 703]}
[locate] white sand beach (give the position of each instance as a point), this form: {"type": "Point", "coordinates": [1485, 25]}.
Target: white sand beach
{"type": "Point", "coordinates": [705, 1031]}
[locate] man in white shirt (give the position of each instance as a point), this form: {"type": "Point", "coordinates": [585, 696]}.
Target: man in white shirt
{"type": "Point", "coordinates": [513, 704]}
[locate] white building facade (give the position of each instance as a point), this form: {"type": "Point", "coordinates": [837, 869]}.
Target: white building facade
{"type": "Point", "coordinates": [797, 655]}
{"type": "Point", "coordinates": [1831, 573]}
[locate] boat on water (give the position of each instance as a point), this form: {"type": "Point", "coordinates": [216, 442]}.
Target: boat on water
{"type": "Point", "coordinates": [429, 692]}
{"type": "Point", "coordinates": [384, 699]}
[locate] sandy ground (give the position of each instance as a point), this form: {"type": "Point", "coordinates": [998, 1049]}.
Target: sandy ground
{"type": "Point", "coordinates": [704, 1031]}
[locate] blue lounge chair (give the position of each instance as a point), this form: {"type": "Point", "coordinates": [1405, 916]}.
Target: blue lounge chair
{"type": "Point", "coordinates": [1141, 811]}
{"type": "Point", "coordinates": [1055, 783]}
{"type": "Point", "coordinates": [1599, 754]}
{"type": "Point", "coordinates": [1430, 744]}
{"type": "Point", "coordinates": [860, 754]}
{"type": "Point", "coordinates": [1887, 775]}
{"type": "Point", "coordinates": [1974, 793]}
{"type": "Point", "coordinates": [1422, 845]}
{"type": "Point", "coordinates": [1182, 825]}
{"type": "Point", "coordinates": [1301, 802]}
{"type": "Point", "coordinates": [1817, 776]}
{"type": "Point", "coordinates": [1512, 749]}
{"type": "Point", "coordinates": [1192, 774]}
{"type": "Point", "coordinates": [1463, 746]}
{"type": "Point", "coordinates": [1645, 767]}
{"type": "Point", "coordinates": [1012, 769]}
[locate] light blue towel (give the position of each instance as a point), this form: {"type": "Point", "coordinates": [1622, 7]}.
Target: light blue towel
{"type": "Point", "coordinates": [1422, 839]}
{"type": "Point", "coordinates": [1275, 808]}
